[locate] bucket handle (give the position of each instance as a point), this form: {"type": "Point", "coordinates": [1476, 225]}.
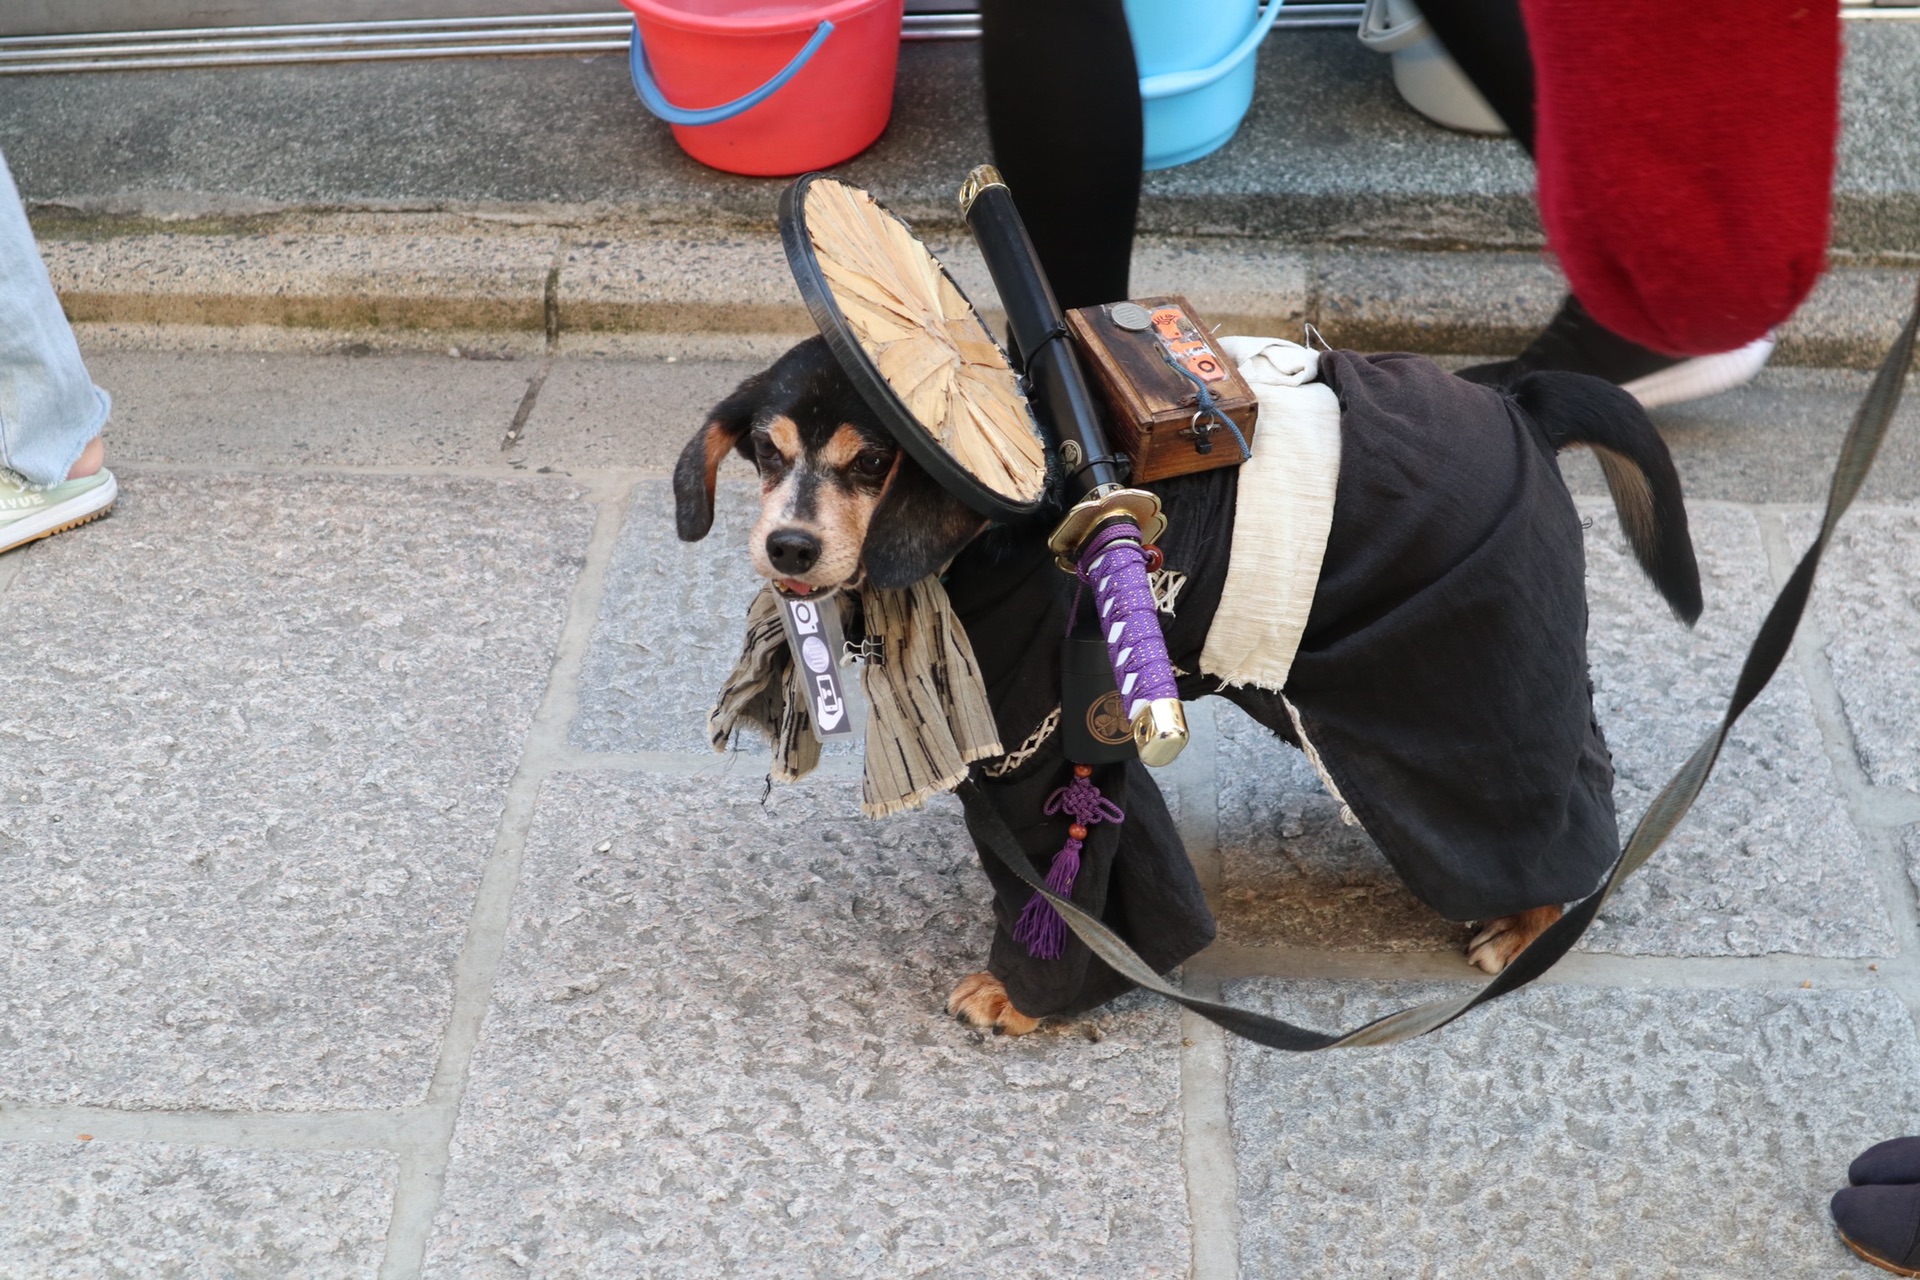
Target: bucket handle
{"type": "Point", "coordinates": [653, 100]}
{"type": "Point", "coordinates": [1169, 83]}
{"type": "Point", "coordinates": [1382, 35]}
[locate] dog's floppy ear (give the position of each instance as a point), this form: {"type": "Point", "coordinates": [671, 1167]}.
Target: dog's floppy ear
{"type": "Point", "coordinates": [916, 529]}
{"type": "Point", "coordinates": [694, 474]}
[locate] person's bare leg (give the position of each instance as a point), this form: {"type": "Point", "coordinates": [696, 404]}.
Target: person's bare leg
{"type": "Point", "coordinates": [91, 459]}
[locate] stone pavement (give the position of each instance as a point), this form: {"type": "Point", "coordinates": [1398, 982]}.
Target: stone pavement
{"type": "Point", "coordinates": [374, 909]}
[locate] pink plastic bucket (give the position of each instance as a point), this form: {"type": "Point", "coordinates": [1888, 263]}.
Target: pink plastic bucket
{"type": "Point", "coordinates": [768, 87]}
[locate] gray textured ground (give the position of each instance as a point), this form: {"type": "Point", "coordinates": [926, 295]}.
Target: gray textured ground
{"type": "Point", "coordinates": [396, 919]}
{"type": "Point", "coordinates": [86, 1208]}
{"type": "Point", "coordinates": [717, 1040]}
{"type": "Point", "coordinates": [670, 622]}
{"type": "Point", "coordinates": [255, 743]}
{"type": "Point", "coordinates": [1768, 860]}
{"type": "Point", "coordinates": [1581, 1131]}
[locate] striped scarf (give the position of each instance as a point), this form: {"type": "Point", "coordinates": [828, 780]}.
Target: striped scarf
{"type": "Point", "coordinates": [928, 717]}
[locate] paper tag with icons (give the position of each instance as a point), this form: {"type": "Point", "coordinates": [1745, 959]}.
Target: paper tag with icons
{"type": "Point", "coordinates": [813, 635]}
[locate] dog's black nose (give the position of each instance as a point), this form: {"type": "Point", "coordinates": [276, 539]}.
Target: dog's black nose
{"type": "Point", "coordinates": [792, 551]}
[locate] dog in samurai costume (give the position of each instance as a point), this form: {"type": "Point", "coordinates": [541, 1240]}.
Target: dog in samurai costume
{"type": "Point", "coordinates": [1393, 583]}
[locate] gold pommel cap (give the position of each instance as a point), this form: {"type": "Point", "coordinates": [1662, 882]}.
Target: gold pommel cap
{"type": "Point", "coordinates": [1160, 731]}
{"type": "Point", "coordinates": [982, 177]}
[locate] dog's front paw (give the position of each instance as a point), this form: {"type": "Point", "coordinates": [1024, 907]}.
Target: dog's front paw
{"type": "Point", "coordinates": [1499, 941]}
{"type": "Point", "coordinates": [980, 1001]}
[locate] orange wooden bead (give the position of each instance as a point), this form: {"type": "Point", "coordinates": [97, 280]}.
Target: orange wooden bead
{"type": "Point", "coordinates": [1077, 831]}
{"type": "Point", "coordinates": [1154, 558]}
{"type": "Point", "coordinates": [1083, 771]}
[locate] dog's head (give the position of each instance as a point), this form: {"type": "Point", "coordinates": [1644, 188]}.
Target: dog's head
{"type": "Point", "coordinates": [840, 503]}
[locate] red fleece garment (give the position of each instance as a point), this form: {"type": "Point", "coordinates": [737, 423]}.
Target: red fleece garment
{"type": "Point", "coordinates": [1686, 154]}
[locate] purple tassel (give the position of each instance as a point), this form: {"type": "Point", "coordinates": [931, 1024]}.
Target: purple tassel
{"type": "Point", "coordinates": [1040, 927]}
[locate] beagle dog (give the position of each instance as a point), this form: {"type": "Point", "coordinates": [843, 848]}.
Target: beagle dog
{"type": "Point", "coordinates": [1440, 685]}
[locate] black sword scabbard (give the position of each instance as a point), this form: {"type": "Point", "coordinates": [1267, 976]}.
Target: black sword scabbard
{"type": "Point", "coordinates": [1109, 528]}
{"type": "Point", "coordinates": [1061, 397]}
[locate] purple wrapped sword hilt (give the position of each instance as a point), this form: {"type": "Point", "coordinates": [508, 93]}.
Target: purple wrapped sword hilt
{"type": "Point", "coordinates": [1114, 563]}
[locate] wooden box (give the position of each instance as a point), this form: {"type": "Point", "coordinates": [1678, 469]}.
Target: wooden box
{"type": "Point", "coordinates": [1129, 349]}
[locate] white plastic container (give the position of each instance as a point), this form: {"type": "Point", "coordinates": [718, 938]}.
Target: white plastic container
{"type": "Point", "coordinates": [1430, 81]}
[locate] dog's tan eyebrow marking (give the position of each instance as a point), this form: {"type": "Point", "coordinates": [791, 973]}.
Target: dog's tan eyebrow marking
{"type": "Point", "coordinates": [846, 445]}
{"type": "Point", "coordinates": [785, 436]}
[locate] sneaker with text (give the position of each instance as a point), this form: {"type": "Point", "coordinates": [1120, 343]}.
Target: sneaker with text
{"type": "Point", "coordinates": [28, 513]}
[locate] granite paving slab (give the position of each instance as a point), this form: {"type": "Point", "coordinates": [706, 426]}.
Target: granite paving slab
{"type": "Point", "coordinates": [717, 1047]}
{"type": "Point", "coordinates": [1867, 602]}
{"type": "Point", "coordinates": [195, 408]}
{"type": "Point", "coordinates": [256, 741]}
{"type": "Point", "coordinates": [629, 413]}
{"type": "Point", "coordinates": [671, 622]}
{"type": "Point", "coordinates": [1373, 300]}
{"type": "Point", "coordinates": [81, 1210]}
{"type": "Point", "coordinates": [1851, 318]}
{"type": "Point", "coordinates": [477, 280]}
{"type": "Point", "coordinates": [198, 408]}
{"type": "Point", "coordinates": [1292, 873]}
{"type": "Point", "coordinates": [1910, 845]}
{"type": "Point", "coordinates": [97, 336]}
{"type": "Point", "coordinates": [1775, 439]}
{"type": "Point", "coordinates": [739, 281]}
{"type": "Point", "coordinates": [1566, 1131]}
{"type": "Point", "coordinates": [702, 280]}
{"type": "Point", "coordinates": [1769, 860]}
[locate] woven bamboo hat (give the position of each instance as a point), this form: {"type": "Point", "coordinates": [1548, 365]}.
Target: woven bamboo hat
{"type": "Point", "coordinates": [913, 346]}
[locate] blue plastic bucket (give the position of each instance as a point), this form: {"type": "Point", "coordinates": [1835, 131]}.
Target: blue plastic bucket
{"type": "Point", "coordinates": [1196, 71]}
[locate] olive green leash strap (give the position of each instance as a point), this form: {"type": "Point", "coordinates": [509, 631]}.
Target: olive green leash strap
{"type": "Point", "coordinates": [1770, 648]}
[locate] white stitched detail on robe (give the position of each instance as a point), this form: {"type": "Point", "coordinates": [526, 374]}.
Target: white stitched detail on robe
{"type": "Point", "coordinates": [1282, 516]}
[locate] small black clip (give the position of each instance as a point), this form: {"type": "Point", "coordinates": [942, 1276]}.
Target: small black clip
{"type": "Point", "coordinates": [869, 650]}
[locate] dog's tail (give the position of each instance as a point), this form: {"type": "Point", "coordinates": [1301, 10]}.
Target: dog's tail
{"type": "Point", "coordinates": [1575, 409]}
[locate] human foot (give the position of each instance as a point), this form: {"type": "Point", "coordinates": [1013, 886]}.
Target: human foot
{"type": "Point", "coordinates": [91, 459]}
{"type": "Point", "coordinates": [28, 514]}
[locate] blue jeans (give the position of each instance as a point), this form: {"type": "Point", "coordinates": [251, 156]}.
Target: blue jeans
{"type": "Point", "coordinates": [49, 408]}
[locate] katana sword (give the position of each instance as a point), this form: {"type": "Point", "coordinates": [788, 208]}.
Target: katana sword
{"type": "Point", "coordinates": [1108, 534]}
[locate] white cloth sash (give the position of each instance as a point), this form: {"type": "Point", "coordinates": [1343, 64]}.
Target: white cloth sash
{"type": "Point", "coordinates": [1284, 510]}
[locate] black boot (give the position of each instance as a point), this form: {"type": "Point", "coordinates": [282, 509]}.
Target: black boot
{"type": "Point", "coordinates": [1897, 1160]}
{"type": "Point", "coordinates": [1882, 1225]}
{"type": "Point", "coordinates": [1575, 342]}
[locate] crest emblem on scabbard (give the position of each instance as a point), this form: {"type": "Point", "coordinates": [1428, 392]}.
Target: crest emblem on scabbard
{"type": "Point", "coordinates": [1106, 722]}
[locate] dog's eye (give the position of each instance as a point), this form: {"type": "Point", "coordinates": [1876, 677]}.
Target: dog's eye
{"type": "Point", "coordinates": [765, 452]}
{"type": "Point", "coordinates": [873, 464]}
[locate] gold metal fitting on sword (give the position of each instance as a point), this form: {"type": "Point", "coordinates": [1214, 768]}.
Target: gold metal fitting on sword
{"type": "Point", "coordinates": [982, 177]}
{"type": "Point", "coordinates": [1137, 505]}
{"type": "Point", "coordinates": [1160, 731]}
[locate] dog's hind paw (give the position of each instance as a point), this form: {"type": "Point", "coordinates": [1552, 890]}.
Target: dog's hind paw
{"type": "Point", "coordinates": [1499, 941]}
{"type": "Point", "coordinates": [980, 1001]}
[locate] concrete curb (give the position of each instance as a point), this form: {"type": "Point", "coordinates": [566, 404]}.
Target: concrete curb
{"type": "Point", "coordinates": [412, 280]}
{"type": "Point", "coordinates": [1329, 154]}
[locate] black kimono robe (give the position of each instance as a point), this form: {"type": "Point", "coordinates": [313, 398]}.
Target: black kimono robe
{"type": "Point", "coordinates": [1442, 677]}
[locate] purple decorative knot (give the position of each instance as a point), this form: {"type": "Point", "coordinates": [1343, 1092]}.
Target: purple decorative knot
{"type": "Point", "coordinates": [1040, 927]}
{"type": "Point", "coordinates": [1114, 564]}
